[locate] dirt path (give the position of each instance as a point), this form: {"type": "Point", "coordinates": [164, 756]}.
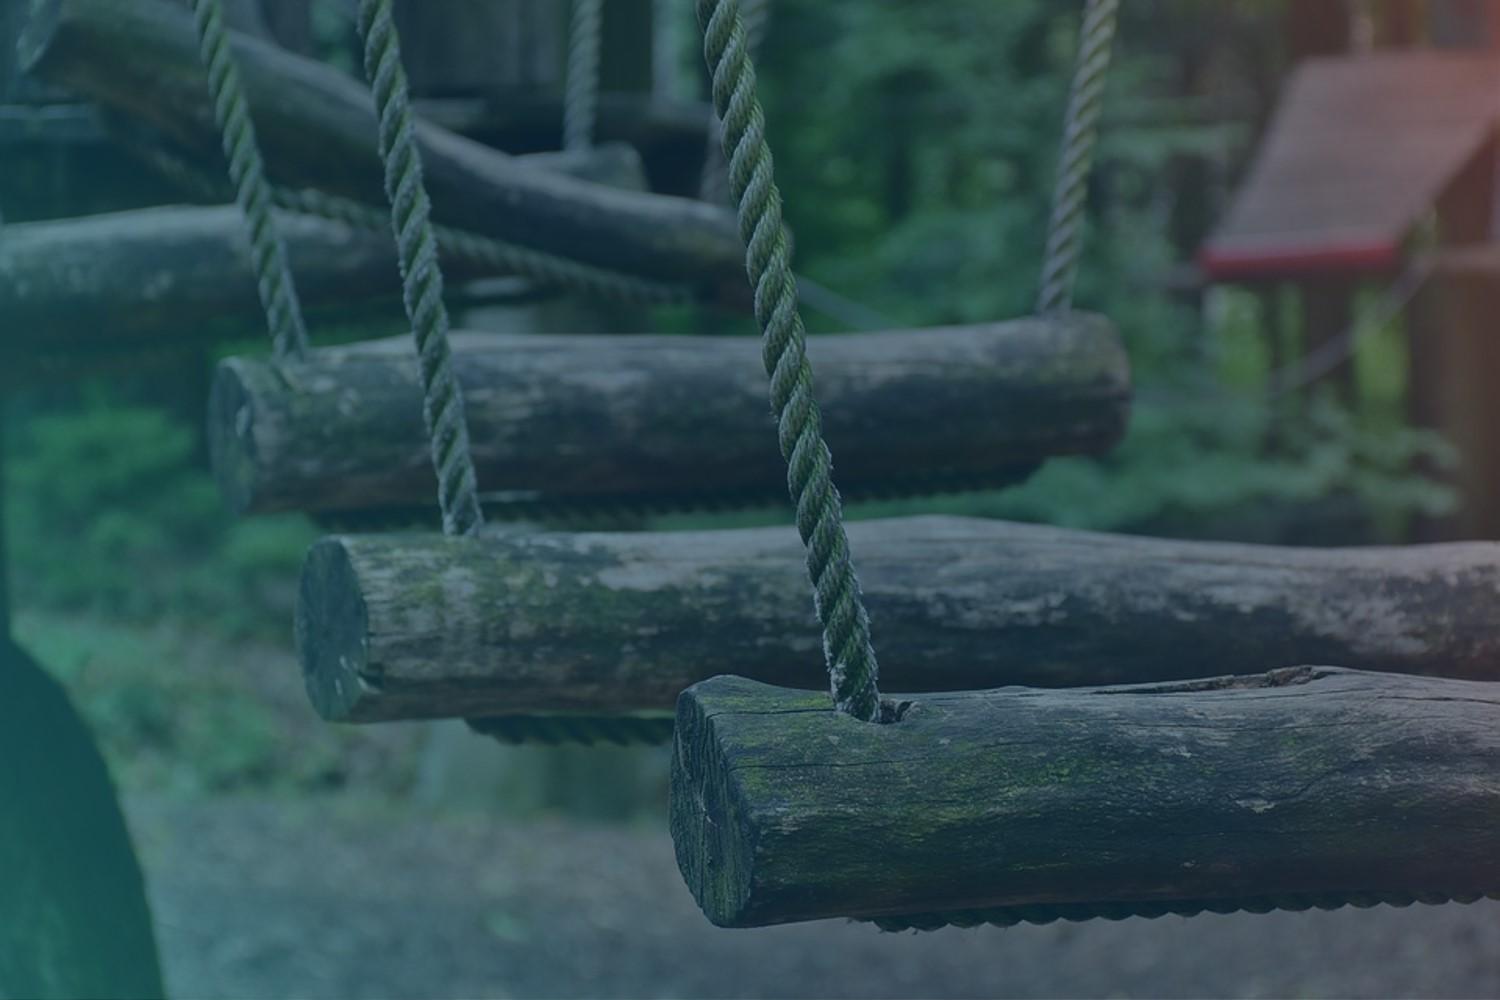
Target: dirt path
{"type": "Point", "coordinates": [260, 898]}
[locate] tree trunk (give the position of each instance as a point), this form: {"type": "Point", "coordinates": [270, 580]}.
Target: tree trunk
{"type": "Point", "coordinates": [592, 417]}
{"type": "Point", "coordinates": [1308, 787]}
{"type": "Point", "coordinates": [417, 626]}
{"type": "Point", "coordinates": [318, 130]}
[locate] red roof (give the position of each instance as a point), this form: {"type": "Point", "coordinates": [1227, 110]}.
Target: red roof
{"type": "Point", "coordinates": [1359, 151]}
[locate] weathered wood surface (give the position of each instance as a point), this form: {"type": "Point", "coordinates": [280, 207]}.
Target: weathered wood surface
{"type": "Point", "coordinates": [109, 281]}
{"type": "Point", "coordinates": [317, 129]}
{"type": "Point", "coordinates": [415, 626]}
{"type": "Point", "coordinates": [1307, 787]}
{"type": "Point", "coordinates": [590, 416]}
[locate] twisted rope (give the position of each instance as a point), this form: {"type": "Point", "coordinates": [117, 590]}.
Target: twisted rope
{"type": "Point", "coordinates": [1080, 135]}
{"type": "Point", "coordinates": [498, 255]}
{"type": "Point", "coordinates": [713, 185]}
{"type": "Point", "coordinates": [273, 275]}
{"type": "Point", "coordinates": [581, 89]}
{"type": "Point", "coordinates": [421, 279]}
{"type": "Point", "coordinates": [852, 668]}
{"type": "Point", "coordinates": [1046, 913]}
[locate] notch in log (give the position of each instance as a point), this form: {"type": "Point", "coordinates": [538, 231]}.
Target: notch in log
{"type": "Point", "coordinates": [594, 418]}
{"type": "Point", "coordinates": [1315, 786]}
{"type": "Point", "coordinates": [317, 128]}
{"type": "Point", "coordinates": [417, 626]}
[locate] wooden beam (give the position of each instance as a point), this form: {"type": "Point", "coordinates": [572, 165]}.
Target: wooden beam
{"type": "Point", "coordinates": [317, 128]}
{"type": "Point", "coordinates": [1309, 787]}
{"type": "Point", "coordinates": [416, 626]}
{"type": "Point", "coordinates": [157, 275]}
{"type": "Point", "coordinates": [600, 417]}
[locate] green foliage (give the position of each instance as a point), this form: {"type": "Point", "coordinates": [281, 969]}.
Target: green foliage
{"type": "Point", "coordinates": [181, 709]}
{"type": "Point", "coordinates": [916, 146]}
{"type": "Point", "coordinates": [109, 510]}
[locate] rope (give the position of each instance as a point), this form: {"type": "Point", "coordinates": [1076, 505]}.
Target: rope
{"type": "Point", "coordinates": [581, 96]}
{"type": "Point", "coordinates": [713, 185]}
{"type": "Point", "coordinates": [487, 252]}
{"type": "Point", "coordinates": [421, 279]}
{"type": "Point", "coordinates": [273, 275]}
{"type": "Point", "coordinates": [1080, 135]}
{"type": "Point", "coordinates": [1334, 352]}
{"type": "Point", "coordinates": [852, 667]}
{"type": "Point", "coordinates": [477, 251]}
{"type": "Point", "coordinates": [1046, 913]}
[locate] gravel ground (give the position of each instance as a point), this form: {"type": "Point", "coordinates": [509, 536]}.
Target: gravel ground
{"type": "Point", "coordinates": [347, 898]}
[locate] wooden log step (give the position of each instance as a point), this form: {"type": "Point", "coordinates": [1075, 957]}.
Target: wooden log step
{"type": "Point", "coordinates": [317, 127]}
{"type": "Point", "coordinates": [1308, 787]}
{"type": "Point", "coordinates": [417, 626]}
{"type": "Point", "coordinates": [600, 417]}
{"type": "Point", "coordinates": [109, 281]}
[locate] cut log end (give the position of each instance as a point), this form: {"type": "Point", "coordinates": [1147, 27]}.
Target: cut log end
{"type": "Point", "coordinates": [231, 437]}
{"type": "Point", "coordinates": [1313, 786]}
{"type": "Point", "coordinates": [331, 625]}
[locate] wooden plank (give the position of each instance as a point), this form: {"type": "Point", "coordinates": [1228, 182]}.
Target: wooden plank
{"type": "Point", "coordinates": [582, 417]}
{"type": "Point", "coordinates": [1313, 786]}
{"type": "Point", "coordinates": [317, 129]}
{"type": "Point", "coordinates": [416, 626]}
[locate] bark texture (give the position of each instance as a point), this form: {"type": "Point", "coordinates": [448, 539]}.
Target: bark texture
{"type": "Point", "coordinates": [417, 626]}
{"type": "Point", "coordinates": [648, 417]}
{"type": "Point", "coordinates": [1308, 787]}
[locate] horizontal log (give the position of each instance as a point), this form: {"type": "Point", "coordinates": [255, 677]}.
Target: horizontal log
{"type": "Point", "coordinates": [110, 281]}
{"type": "Point", "coordinates": [317, 129]}
{"type": "Point", "coordinates": [1308, 787]}
{"type": "Point", "coordinates": [580, 417]}
{"type": "Point", "coordinates": [416, 626]}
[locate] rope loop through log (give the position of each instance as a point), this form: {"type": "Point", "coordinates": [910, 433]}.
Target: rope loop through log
{"type": "Point", "coordinates": [852, 667]}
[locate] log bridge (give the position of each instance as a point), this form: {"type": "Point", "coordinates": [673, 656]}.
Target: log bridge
{"type": "Point", "coordinates": [317, 129]}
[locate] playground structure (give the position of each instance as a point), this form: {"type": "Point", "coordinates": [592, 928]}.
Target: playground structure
{"type": "Point", "coordinates": [1378, 170]}
{"type": "Point", "coordinates": [1184, 792]}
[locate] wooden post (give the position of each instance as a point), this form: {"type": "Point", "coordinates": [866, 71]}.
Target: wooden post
{"type": "Point", "coordinates": [1317, 28]}
{"type": "Point", "coordinates": [317, 128]}
{"type": "Point", "coordinates": [289, 22]}
{"type": "Point", "coordinates": [1308, 787]}
{"type": "Point", "coordinates": [595, 417]}
{"type": "Point", "coordinates": [1453, 357]}
{"type": "Point", "coordinates": [1327, 314]}
{"type": "Point", "coordinates": [499, 49]}
{"type": "Point", "coordinates": [418, 626]}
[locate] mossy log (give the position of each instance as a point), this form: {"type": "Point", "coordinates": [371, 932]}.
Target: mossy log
{"type": "Point", "coordinates": [109, 282]}
{"type": "Point", "coordinates": [599, 417]}
{"type": "Point", "coordinates": [415, 626]}
{"type": "Point", "coordinates": [1308, 787]}
{"type": "Point", "coordinates": [317, 128]}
